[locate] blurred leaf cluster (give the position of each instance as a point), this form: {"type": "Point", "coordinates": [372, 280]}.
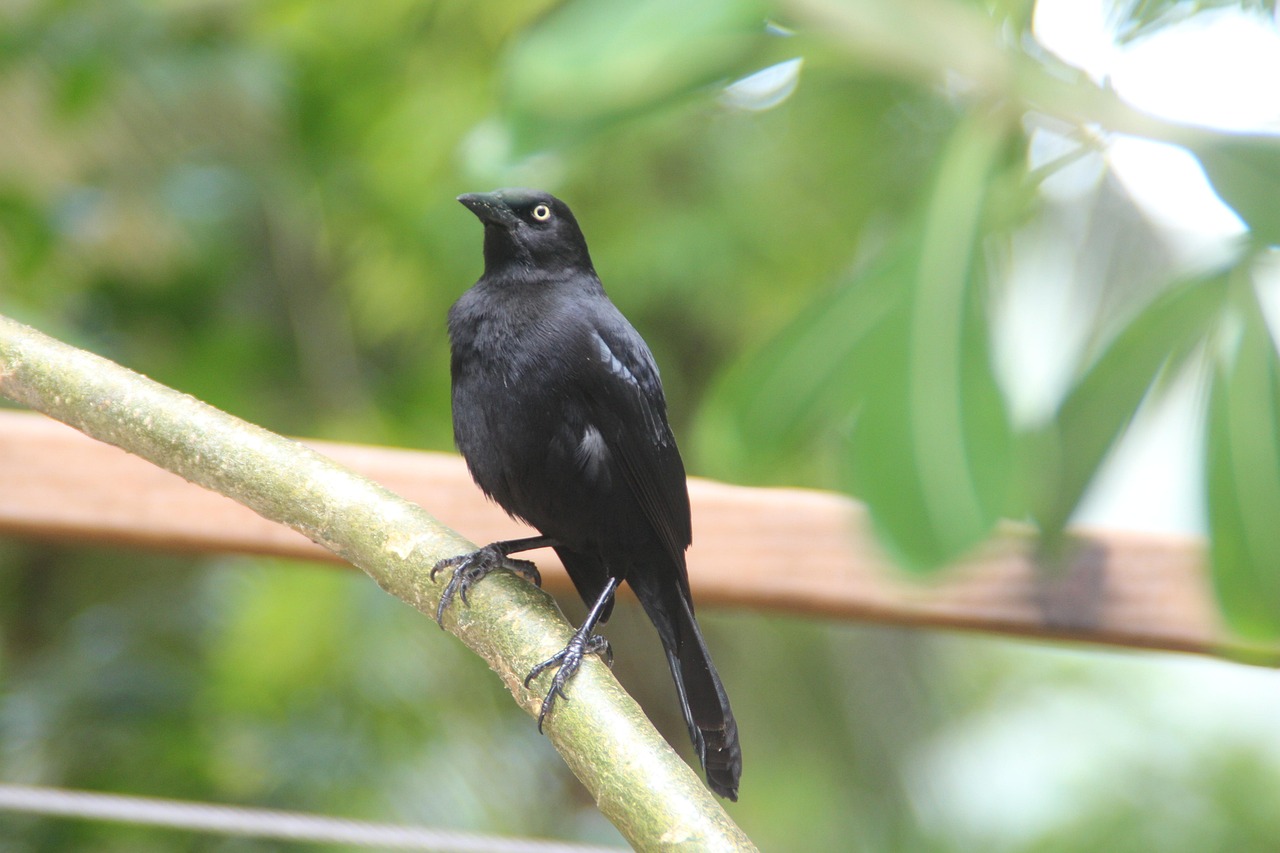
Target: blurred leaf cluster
{"type": "Point", "coordinates": [820, 215]}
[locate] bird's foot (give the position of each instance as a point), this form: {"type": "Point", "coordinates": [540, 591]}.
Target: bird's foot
{"type": "Point", "coordinates": [469, 569]}
{"type": "Point", "coordinates": [567, 661]}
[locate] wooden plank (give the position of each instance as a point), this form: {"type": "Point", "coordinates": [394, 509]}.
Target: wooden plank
{"type": "Point", "coordinates": [781, 550]}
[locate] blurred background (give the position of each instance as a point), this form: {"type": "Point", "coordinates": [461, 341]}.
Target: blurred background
{"type": "Point", "coordinates": [836, 223]}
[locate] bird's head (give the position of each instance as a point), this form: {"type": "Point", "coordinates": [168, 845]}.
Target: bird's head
{"type": "Point", "coordinates": [529, 230]}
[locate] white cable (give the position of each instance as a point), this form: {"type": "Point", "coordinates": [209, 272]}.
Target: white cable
{"type": "Point", "coordinates": [265, 823]}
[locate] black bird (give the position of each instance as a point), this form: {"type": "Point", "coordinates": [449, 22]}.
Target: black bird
{"type": "Point", "coordinates": [559, 413]}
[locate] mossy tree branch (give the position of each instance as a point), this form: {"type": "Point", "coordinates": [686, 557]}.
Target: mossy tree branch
{"type": "Point", "coordinates": [638, 781]}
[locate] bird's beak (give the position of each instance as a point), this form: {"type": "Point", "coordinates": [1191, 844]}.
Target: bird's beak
{"type": "Point", "coordinates": [490, 208]}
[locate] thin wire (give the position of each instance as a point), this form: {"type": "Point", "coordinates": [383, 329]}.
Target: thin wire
{"type": "Point", "coordinates": [265, 823]}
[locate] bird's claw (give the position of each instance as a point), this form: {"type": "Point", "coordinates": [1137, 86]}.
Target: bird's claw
{"type": "Point", "coordinates": [567, 661]}
{"type": "Point", "coordinates": [469, 569]}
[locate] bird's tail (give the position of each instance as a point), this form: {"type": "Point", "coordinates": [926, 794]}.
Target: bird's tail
{"type": "Point", "coordinates": [702, 697]}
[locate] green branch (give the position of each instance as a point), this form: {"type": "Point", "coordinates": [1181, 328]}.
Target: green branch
{"type": "Point", "coordinates": [638, 781]}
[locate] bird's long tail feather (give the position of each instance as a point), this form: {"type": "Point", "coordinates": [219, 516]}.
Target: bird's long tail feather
{"type": "Point", "coordinates": [702, 696]}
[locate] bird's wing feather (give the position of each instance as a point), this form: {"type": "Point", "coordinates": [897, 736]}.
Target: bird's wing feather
{"type": "Point", "coordinates": [631, 411]}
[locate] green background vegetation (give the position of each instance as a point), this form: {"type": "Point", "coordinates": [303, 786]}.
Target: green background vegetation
{"type": "Point", "coordinates": [254, 203]}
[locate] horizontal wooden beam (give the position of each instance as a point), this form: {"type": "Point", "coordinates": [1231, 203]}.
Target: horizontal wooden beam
{"type": "Point", "coordinates": [781, 550]}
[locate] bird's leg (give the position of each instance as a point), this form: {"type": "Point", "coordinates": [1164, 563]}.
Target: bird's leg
{"type": "Point", "coordinates": [583, 642]}
{"type": "Point", "coordinates": [470, 568]}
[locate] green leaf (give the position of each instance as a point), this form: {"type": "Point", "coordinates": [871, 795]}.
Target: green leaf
{"type": "Point", "coordinates": [784, 402]}
{"type": "Point", "coordinates": [900, 357]}
{"type": "Point", "coordinates": [1243, 478]}
{"type": "Point", "coordinates": [589, 63]}
{"type": "Point", "coordinates": [1245, 171]}
{"type": "Point", "coordinates": [931, 446]}
{"type": "Point", "coordinates": [1063, 457]}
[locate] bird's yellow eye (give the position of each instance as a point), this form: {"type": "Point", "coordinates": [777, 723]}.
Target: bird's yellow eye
{"type": "Point", "coordinates": [542, 213]}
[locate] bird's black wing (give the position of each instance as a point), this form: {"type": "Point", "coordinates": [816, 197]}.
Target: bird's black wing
{"type": "Point", "coordinates": [626, 401]}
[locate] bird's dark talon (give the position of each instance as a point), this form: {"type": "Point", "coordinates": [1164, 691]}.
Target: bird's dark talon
{"type": "Point", "coordinates": [445, 598]}
{"type": "Point", "coordinates": [600, 647]}
{"type": "Point", "coordinates": [567, 661]}
{"type": "Point", "coordinates": [526, 569]}
{"type": "Point", "coordinates": [441, 565]}
{"type": "Point", "coordinates": [469, 569]}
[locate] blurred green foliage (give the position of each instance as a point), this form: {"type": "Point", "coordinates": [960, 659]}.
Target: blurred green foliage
{"type": "Point", "coordinates": [254, 203]}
